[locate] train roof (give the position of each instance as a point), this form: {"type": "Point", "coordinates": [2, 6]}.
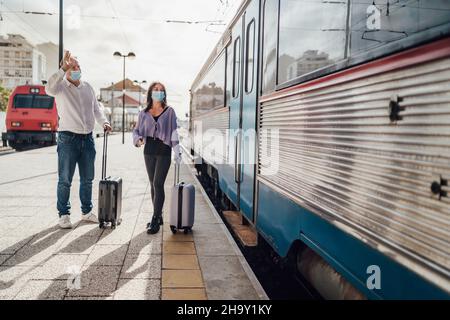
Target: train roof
{"type": "Point", "coordinates": [221, 44]}
{"type": "Point", "coordinates": [27, 88]}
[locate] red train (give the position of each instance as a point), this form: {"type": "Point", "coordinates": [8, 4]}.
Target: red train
{"type": "Point", "coordinates": [31, 118]}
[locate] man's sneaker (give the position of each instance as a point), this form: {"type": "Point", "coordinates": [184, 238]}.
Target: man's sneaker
{"type": "Point", "coordinates": [64, 222]}
{"type": "Point", "coordinates": [90, 217]}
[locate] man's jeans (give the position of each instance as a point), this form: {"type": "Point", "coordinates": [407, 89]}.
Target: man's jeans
{"type": "Point", "coordinates": [72, 149]}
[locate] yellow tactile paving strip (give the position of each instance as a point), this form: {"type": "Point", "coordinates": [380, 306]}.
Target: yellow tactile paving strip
{"type": "Point", "coordinates": [181, 275]}
{"type": "Point", "coordinates": [183, 294]}
{"type": "Point", "coordinates": [180, 262]}
{"type": "Point", "coordinates": [178, 247]}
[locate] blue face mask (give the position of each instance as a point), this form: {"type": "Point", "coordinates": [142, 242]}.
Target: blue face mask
{"type": "Point", "coordinates": [158, 95]}
{"type": "Point", "coordinates": [75, 75]}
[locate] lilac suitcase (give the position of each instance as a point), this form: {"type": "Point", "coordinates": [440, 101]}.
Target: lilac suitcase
{"type": "Point", "coordinates": [182, 206]}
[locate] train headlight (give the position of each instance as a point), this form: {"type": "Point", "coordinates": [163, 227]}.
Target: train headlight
{"type": "Point", "coordinates": [16, 124]}
{"type": "Point", "coordinates": [46, 126]}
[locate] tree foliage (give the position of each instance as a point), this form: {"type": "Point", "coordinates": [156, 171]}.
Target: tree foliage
{"type": "Point", "coordinates": [4, 97]}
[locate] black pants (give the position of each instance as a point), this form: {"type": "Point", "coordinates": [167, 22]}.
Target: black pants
{"type": "Point", "coordinates": [157, 169]}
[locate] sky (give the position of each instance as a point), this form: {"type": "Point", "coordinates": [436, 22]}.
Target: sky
{"type": "Point", "coordinates": [172, 53]}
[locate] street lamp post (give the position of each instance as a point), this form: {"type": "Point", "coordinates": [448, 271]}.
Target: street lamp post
{"type": "Point", "coordinates": [61, 27]}
{"type": "Point", "coordinates": [118, 55]}
{"type": "Point", "coordinates": [139, 84]}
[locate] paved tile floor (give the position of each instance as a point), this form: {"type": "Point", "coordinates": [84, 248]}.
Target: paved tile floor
{"type": "Point", "coordinates": [40, 261]}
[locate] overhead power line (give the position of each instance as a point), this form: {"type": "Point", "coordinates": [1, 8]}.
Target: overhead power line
{"type": "Point", "coordinates": [116, 17]}
{"type": "Point", "coordinates": [121, 26]}
{"type": "Point", "coordinates": [35, 30]}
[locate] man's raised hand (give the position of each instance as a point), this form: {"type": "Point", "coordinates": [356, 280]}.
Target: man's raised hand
{"type": "Point", "coordinates": [67, 62]}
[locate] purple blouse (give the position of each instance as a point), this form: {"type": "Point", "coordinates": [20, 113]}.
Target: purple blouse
{"type": "Point", "coordinates": [164, 129]}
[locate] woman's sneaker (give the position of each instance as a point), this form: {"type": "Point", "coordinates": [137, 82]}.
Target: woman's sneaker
{"type": "Point", "coordinates": [64, 222]}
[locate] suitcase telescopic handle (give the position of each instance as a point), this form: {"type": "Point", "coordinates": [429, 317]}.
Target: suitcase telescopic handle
{"type": "Point", "coordinates": [176, 175]}
{"type": "Point", "coordinates": [105, 151]}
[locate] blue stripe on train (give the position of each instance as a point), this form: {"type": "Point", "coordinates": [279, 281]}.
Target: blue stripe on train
{"type": "Point", "coordinates": [281, 221]}
{"type": "Point", "coordinates": [227, 183]}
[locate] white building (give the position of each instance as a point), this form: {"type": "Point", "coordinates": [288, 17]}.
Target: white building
{"type": "Point", "coordinates": [131, 112]}
{"type": "Point", "coordinates": [20, 62]}
{"type": "Point", "coordinates": [51, 53]}
{"type": "Point", "coordinates": [110, 94]}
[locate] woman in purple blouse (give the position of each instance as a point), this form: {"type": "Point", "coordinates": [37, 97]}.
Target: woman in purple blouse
{"type": "Point", "coordinates": [156, 128]}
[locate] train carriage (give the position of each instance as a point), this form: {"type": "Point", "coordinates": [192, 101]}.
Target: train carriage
{"type": "Point", "coordinates": [327, 125]}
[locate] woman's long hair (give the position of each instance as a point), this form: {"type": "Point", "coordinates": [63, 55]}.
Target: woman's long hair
{"type": "Point", "coordinates": [149, 96]}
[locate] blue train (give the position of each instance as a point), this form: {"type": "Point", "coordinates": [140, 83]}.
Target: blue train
{"type": "Point", "coordinates": [327, 125]}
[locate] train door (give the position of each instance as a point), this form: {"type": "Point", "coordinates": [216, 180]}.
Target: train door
{"type": "Point", "coordinates": [249, 109]}
{"type": "Point", "coordinates": [235, 56]}
{"type": "Point", "coordinates": [243, 106]}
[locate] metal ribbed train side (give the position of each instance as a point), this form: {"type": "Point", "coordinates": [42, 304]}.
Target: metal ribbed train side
{"type": "Point", "coordinates": [342, 156]}
{"type": "Point", "coordinates": [217, 122]}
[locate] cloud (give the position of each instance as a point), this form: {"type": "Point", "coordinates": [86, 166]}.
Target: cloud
{"type": "Point", "coordinates": [168, 52]}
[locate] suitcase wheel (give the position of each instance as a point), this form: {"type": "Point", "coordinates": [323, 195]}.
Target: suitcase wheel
{"type": "Point", "coordinates": [186, 230]}
{"type": "Point", "coordinates": [101, 225]}
{"type": "Point", "coordinates": [173, 229]}
{"type": "Point", "coordinates": [113, 225]}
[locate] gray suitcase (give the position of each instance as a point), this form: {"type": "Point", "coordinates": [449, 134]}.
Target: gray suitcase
{"type": "Point", "coordinates": [182, 205]}
{"type": "Point", "coordinates": [110, 194]}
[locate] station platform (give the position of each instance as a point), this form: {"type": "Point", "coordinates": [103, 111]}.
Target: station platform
{"type": "Point", "coordinates": [38, 260]}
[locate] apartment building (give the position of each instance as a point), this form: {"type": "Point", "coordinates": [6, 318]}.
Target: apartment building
{"type": "Point", "coordinates": [20, 62]}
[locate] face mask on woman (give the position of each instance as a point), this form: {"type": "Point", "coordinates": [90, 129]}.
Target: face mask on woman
{"type": "Point", "coordinates": [158, 95]}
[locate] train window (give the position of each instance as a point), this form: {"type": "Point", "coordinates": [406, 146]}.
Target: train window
{"type": "Point", "coordinates": [236, 65]}
{"type": "Point", "coordinates": [33, 101]}
{"type": "Point", "coordinates": [209, 92]}
{"type": "Point", "coordinates": [270, 46]}
{"type": "Point", "coordinates": [250, 54]}
{"type": "Point", "coordinates": [229, 75]}
{"type": "Point", "coordinates": [43, 102]}
{"type": "Point", "coordinates": [377, 23]}
{"type": "Point", "coordinates": [312, 36]}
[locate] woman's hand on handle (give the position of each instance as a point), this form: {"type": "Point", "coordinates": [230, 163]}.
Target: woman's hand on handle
{"type": "Point", "coordinates": [140, 142]}
{"type": "Point", "coordinates": [177, 158]}
{"type": "Point", "coordinates": [177, 153]}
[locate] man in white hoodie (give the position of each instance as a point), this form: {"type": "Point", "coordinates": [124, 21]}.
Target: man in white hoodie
{"type": "Point", "coordinates": [78, 110]}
